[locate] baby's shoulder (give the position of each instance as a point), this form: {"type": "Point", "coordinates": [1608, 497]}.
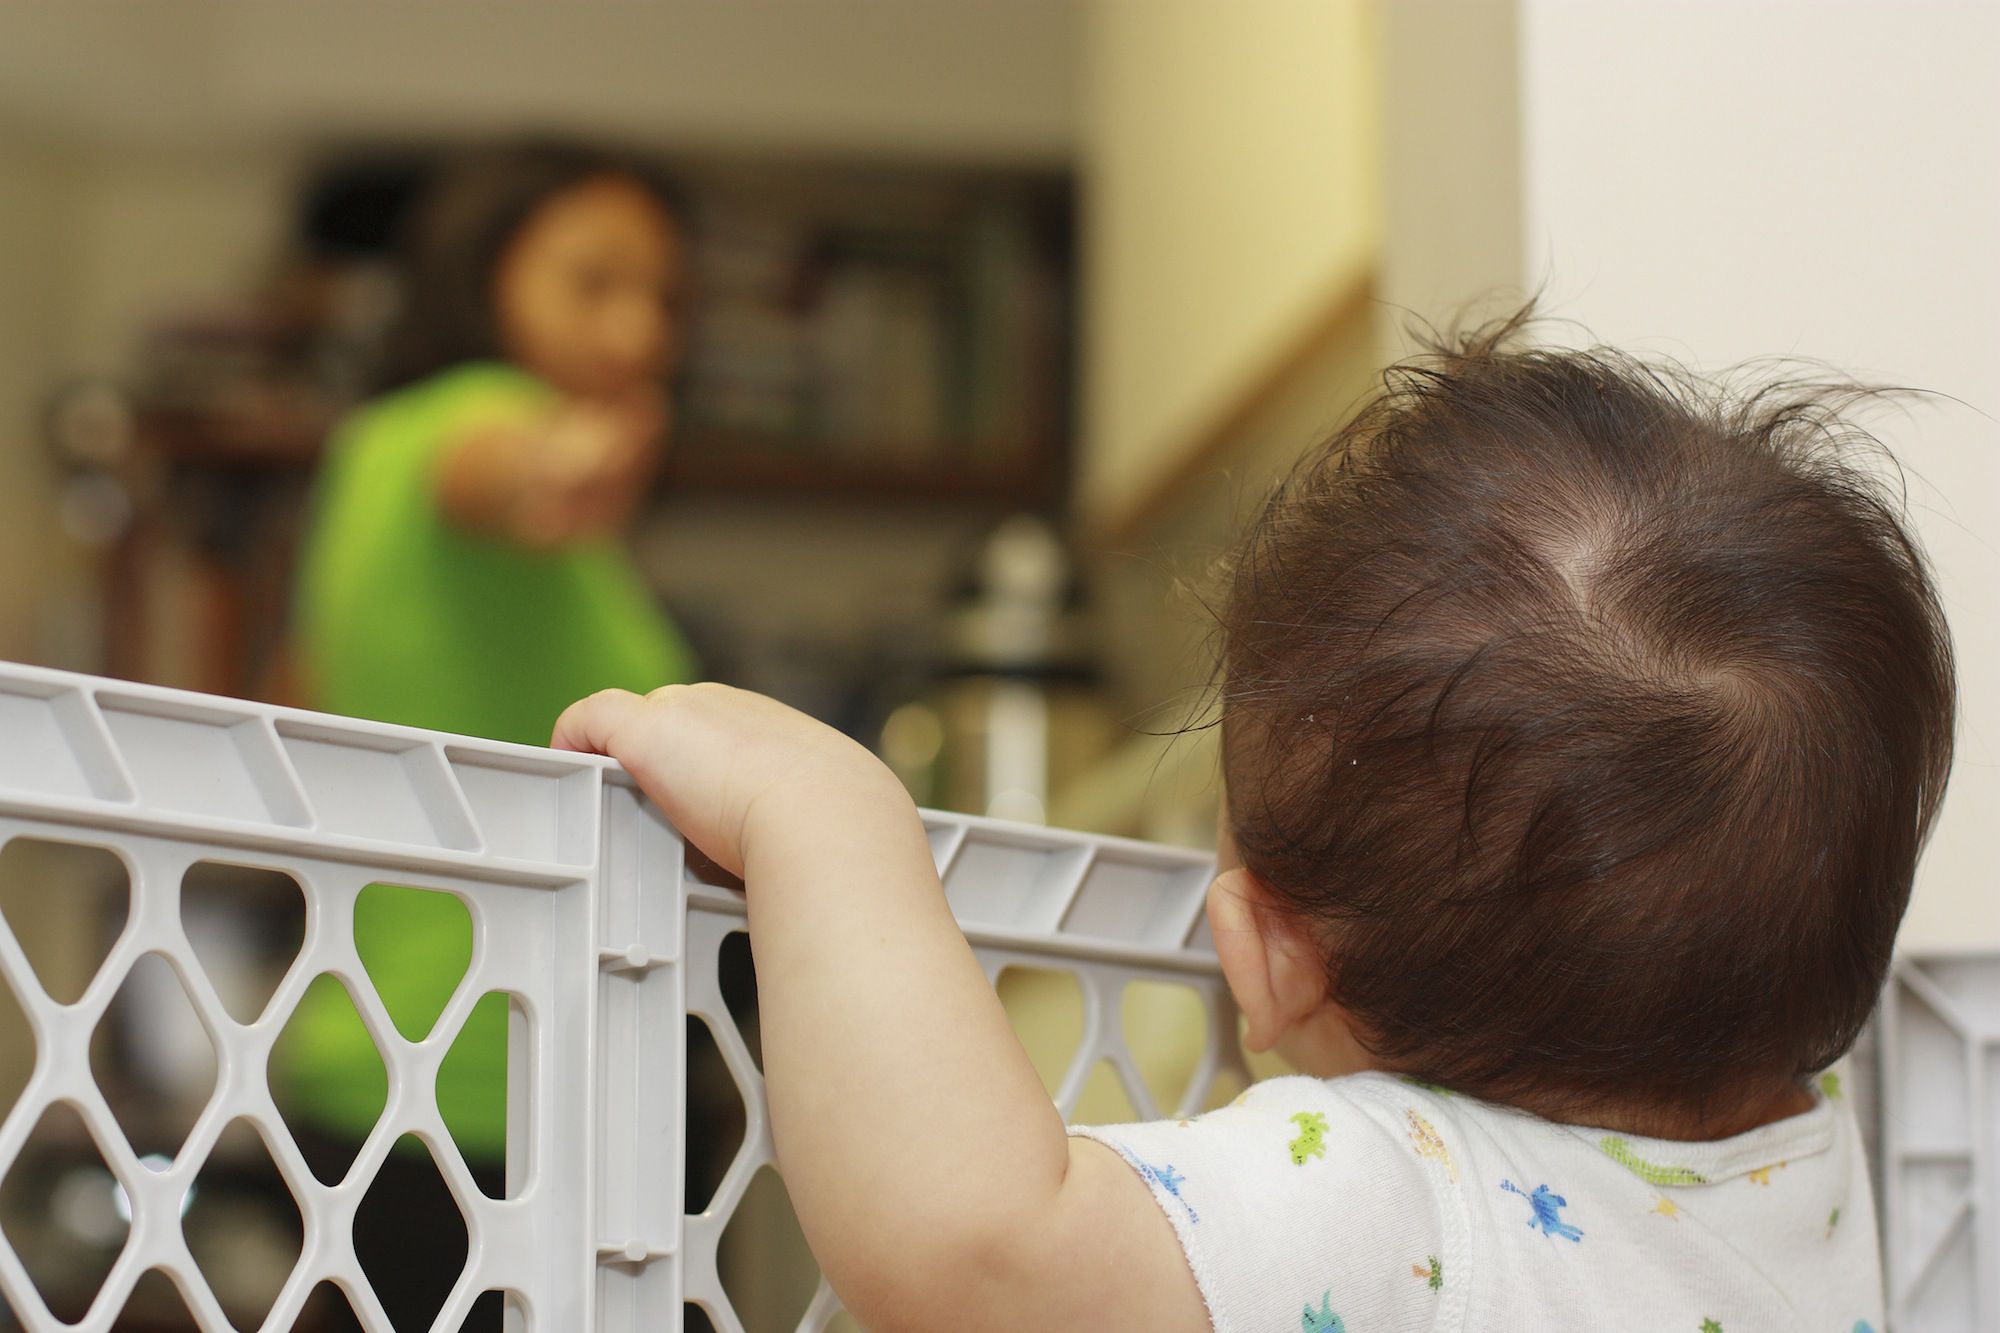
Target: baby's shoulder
{"type": "Point", "coordinates": [1301, 1136]}
{"type": "Point", "coordinates": [1348, 1185]}
{"type": "Point", "coordinates": [1369, 1117]}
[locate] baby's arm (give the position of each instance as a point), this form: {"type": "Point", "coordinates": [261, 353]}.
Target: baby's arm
{"type": "Point", "coordinates": [931, 1174]}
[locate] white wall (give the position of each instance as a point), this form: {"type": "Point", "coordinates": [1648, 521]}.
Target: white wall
{"type": "Point", "coordinates": [1794, 176]}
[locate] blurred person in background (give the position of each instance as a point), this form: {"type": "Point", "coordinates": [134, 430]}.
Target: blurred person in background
{"type": "Point", "coordinates": [464, 570]}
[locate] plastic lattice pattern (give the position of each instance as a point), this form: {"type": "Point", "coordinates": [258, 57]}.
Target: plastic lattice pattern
{"type": "Point", "coordinates": [1939, 1039]}
{"type": "Point", "coordinates": [584, 913]}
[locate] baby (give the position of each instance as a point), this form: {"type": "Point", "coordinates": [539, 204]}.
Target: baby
{"type": "Point", "coordinates": [1582, 724]}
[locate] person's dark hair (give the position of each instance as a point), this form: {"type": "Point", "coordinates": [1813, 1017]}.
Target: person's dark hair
{"type": "Point", "coordinates": [458, 233]}
{"type": "Point", "coordinates": [1596, 715]}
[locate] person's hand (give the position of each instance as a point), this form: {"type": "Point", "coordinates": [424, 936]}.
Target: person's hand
{"type": "Point", "coordinates": [634, 428]}
{"type": "Point", "coordinates": [575, 474]}
{"type": "Point", "coordinates": [587, 472]}
{"type": "Point", "coordinates": [728, 766]}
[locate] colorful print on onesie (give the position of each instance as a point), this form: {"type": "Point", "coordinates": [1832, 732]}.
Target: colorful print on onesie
{"type": "Point", "coordinates": [1429, 1143]}
{"type": "Point", "coordinates": [1360, 1202]}
{"type": "Point", "coordinates": [1311, 1140]}
{"type": "Point", "coordinates": [1547, 1206]}
{"type": "Point", "coordinates": [1325, 1320]}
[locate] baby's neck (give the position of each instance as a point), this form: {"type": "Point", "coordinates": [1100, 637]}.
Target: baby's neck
{"type": "Point", "coordinates": [1655, 1123]}
{"type": "Point", "coordinates": [1325, 1046]}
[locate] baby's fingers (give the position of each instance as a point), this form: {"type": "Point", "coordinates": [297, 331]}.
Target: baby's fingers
{"type": "Point", "coordinates": [597, 724]}
{"type": "Point", "coordinates": [638, 731]}
{"type": "Point", "coordinates": [641, 732]}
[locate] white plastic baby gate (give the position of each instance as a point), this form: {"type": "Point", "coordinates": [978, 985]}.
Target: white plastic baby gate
{"type": "Point", "coordinates": [1937, 1040]}
{"type": "Point", "coordinates": [584, 914]}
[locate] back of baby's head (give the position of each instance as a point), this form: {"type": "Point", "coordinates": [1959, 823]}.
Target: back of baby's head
{"type": "Point", "coordinates": [1594, 715]}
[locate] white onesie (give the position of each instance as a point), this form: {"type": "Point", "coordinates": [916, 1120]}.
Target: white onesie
{"type": "Point", "coordinates": [1369, 1204]}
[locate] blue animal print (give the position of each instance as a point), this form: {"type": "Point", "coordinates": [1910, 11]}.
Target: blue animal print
{"type": "Point", "coordinates": [1168, 1179]}
{"type": "Point", "coordinates": [1165, 1177]}
{"type": "Point", "coordinates": [1548, 1207]}
{"type": "Point", "coordinates": [1326, 1321]}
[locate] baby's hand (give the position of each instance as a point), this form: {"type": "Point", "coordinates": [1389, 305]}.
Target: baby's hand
{"type": "Point", "coordinates": [725, 763]}
{"type": "Point", "coordinates": [885, 1050]}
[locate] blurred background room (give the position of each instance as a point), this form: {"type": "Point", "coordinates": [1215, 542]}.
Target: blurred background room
{"type": "Point", "coordinates": [997, 315]}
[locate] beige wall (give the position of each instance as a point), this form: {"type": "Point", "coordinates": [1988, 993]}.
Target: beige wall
{"type": "Point", "coordinates": [1154, 592]}
{"type": "Point", "coordinates": [93, 243]}
{"type": "Point", "coordinates": [1231, 165]}
{"type": "Point", "coordinates": [994, 77]}
{"type": "Point", "coordinates": [1451, 145]}
{"type": "Point", "coordinates": [184, 131]}
{"type": "Point", "coordinates": [160, 231]}
{"type": "Point", "coordinates": [34, 204]}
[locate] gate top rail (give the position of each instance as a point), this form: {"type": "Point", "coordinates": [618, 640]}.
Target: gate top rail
{"type": "Point", "coordinates": [587, 914]}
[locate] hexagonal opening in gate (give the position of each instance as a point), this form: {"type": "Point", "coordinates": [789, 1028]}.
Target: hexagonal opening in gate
{"type": "Point", "coordinates": [410, 1235]}
{"type": "Point", "coordinates": [153, 1059]}
{"type": "Point", "coordinates": [736, 978]}
{"type": "Point", "coordinates": [17, 1047]}
{"type": "Point", "coordinates": [472, 1088]}
{"type": "Point", "coordinates": [246, 925]}
{"type": "Point", "coordinates": [242, 1225]}
{"type": "Point", "coordinates": [1046, 1008]}
{"type": "Point", "coordinates": [64, 1212]}
{"type": "Point", "coordinates": [1165, 1025]}
{"type": "Point", "coordinates": [1105, 1100]}
{"type": "Point", "coordinates": [489, 1312]}
{"type": "Point", "coordinates": [416, 945]}
{"type": "Point", "coordinates": [328, 1078]}
{"type": "Point", "coordinates": [156, 1304]}
{"type": "Point", "coordinates": [767, 1271]}
{"type": "Point", "coordinates": [327, 1307]}
{"type": "Point", "coordinates": [715, 1117]}
{"type": "Point", "coordinates": [66, 903]}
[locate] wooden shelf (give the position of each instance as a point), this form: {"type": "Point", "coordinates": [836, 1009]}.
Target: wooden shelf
{"type": "Point", "coordinates": [747, 465]}
{"type": "Point", "coordinates": [877, 332]}
{"type": "Point", "coordinates": [253, 441]}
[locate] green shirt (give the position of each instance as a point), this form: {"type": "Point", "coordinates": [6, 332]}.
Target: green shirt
{"type": "Point", "coordinates": [405, 618]}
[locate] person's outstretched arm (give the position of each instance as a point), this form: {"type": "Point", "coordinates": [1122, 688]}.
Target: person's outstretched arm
{"type": "Point", "coordinates": [573, 473]}
{"type": "Point", "coordinates": [931, 1174]}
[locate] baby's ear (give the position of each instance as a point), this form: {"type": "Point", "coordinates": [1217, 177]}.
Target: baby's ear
{"type": "Point", "coordinates": [1269, 960]}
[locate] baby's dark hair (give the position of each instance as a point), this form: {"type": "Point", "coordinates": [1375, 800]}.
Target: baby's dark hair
{"type": "Point", "coordinates": [1595, 714]}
